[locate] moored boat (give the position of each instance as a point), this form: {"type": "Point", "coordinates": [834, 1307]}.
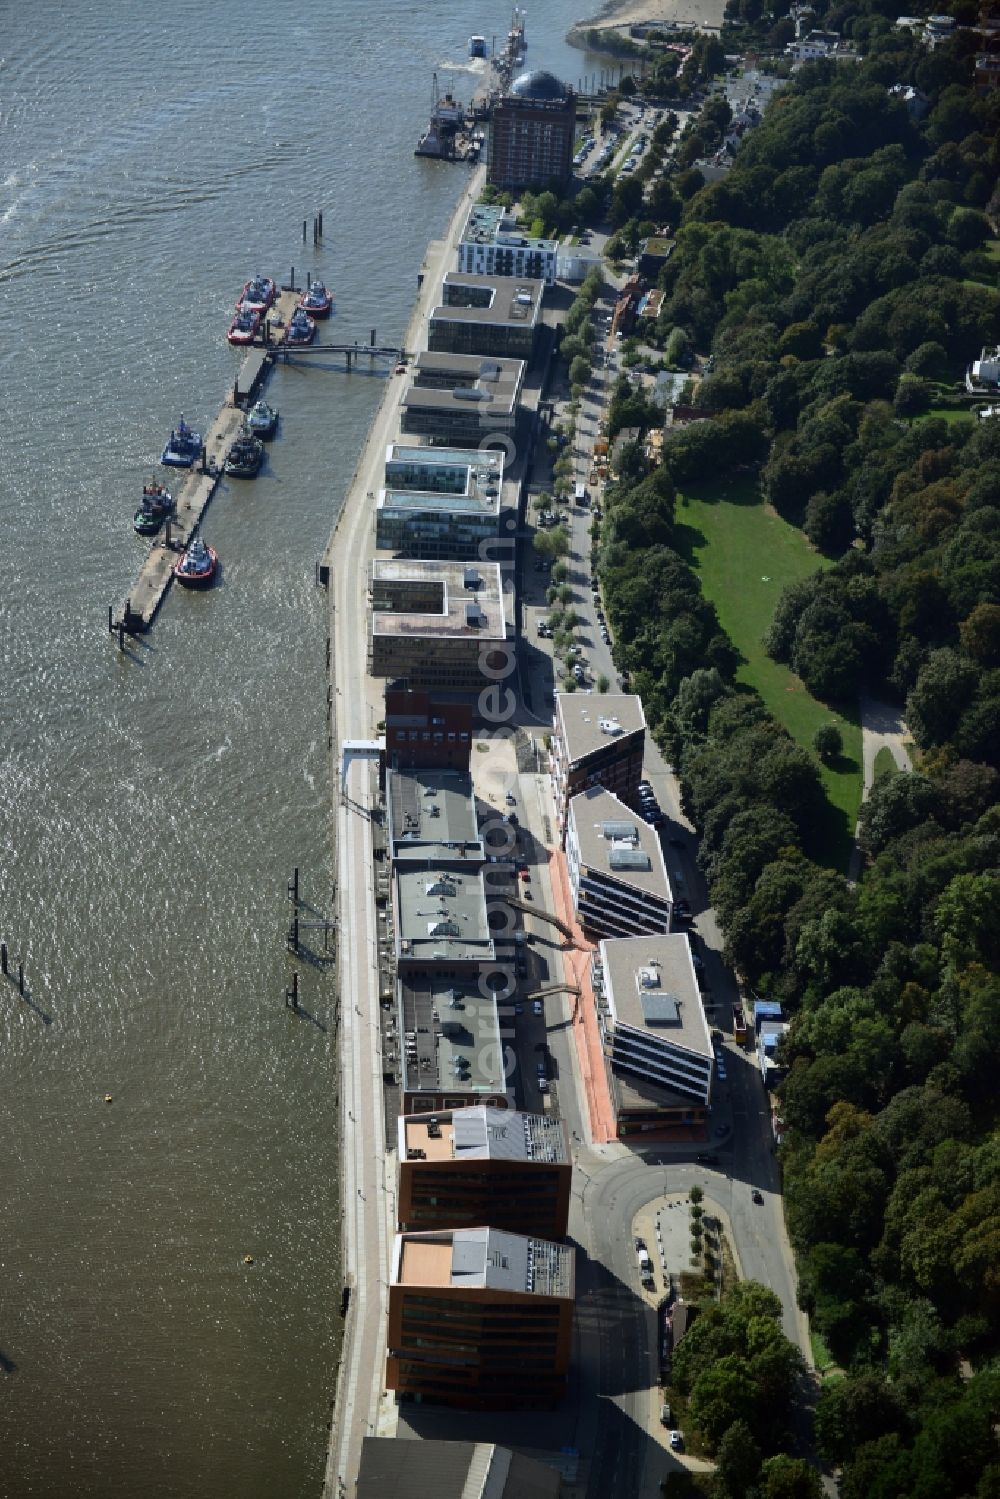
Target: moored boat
{"type": "Point", "coordinates": [146, 521]}
{"type": "Point", "coordinates": [195, 568]}
{"type": "Point", "coordinates": [261, 421]}
{"type": "Point", "coordinates": [245, 457]}
{"type": "Point", "coordinates": [183, 446]}
{"type": "Point", "coordinates": [245, 326]}
{"type": "Point", "coordinates": [317, 300]}
{"type": "Point", "coordinates": [257, 294]}
{"type": "Point", "coordinates": [157, 503]}
{"type": "Point", "coordinates": [301, 328]}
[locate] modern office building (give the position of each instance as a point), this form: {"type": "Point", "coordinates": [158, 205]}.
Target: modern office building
{"type": "Point", "coordinates": [480, 1319]}
{"type": "Point", "coordinates": [467, 1168]}
{"type": "Point", "coordinates": [532, 129]}
{"type": "Point", "coordinates": [450, 1050]}
{"type": "Point", "coordinates": [496, 316]}
{"type": "Point", "coordinates": [439, 502]}
{"type": "Point", "coordinates": [423, 731]}
{"type": "Point", "coordinates": [598, 739]}
{"type": "Point", "coordinates": [616, 870]}
{"type": "Point", "coordinates": [399, 1468]}
{"type": "Point", "coordinates": [657, 1044]}
{"type": "Point", "coordinates": [493, 244]}
{"type": "Point", "coordinates": [462, 399]}
{"type": "Point", "coordinates": [431, 817]}
{"type": "Point", "coordinates": [439, 918]}
{"type": "Point", "coordinates": [437, 625]}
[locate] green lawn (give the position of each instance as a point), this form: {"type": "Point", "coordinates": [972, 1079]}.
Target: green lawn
{"type": "Point", "coordinates": [745, 555]}
{"type": "Point", "coordinates": [945, 414]}
{"type": "Point", "coordinates": [885, 764]}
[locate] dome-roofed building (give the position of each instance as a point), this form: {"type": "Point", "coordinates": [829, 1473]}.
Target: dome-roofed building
{"type": "Point", "coordinates": [538, 85]}
{"type": "Point", "coordinates": [531, 133]}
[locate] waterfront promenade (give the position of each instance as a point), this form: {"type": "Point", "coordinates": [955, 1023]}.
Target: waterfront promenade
{"type": "Point", "coordinates": [368, 1174]}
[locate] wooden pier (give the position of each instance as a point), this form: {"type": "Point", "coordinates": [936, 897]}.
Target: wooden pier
{"type": "Point", "coordinates": [197, 485]}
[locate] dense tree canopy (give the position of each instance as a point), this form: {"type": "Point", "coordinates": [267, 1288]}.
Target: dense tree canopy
{"type": "Point", "coordinates": [836, 275]}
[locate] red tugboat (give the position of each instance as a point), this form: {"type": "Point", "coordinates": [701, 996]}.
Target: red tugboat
{"type": "Point", "coordinates": [257, 295]}
{"type": "Point", "coordinates": [195, 568]}
{"type": "Point", "coordinates": [317, 301]}
{"type": "Point", "coordinates": [245, 326]}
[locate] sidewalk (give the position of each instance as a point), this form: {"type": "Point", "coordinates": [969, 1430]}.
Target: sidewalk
{"type": "Point", "coordinates": [586, 1033]}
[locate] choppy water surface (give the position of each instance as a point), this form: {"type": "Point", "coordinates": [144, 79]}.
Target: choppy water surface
{"type": "Point", "coordinates": [152, 806]}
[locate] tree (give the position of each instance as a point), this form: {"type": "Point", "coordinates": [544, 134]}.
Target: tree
{"type": "Point", "coordinates": [677, 347]}
{"type": "Point", "coordinates": [943, 690]}
{"type": "Point", "coordinates": [912, 397]}
{"type": "Point", "coordinates": [980, 634]}
{"type": "Point", "coordinates": [552, 544]}
{"type": "Point", "coordinates": [579, 371]}
{"type": "Point", "coordinates": [784, 1477]}
{"type": "Point", "coordinates": [828, 743]}
{"type": "Point", "coordinates": [895, 805]}
{"type": "Point", "coordinates": [737, 1460]}
{"type": "Point", "coordinates": [721, 1395]}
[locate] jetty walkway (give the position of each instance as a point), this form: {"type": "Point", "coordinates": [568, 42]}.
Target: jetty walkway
{"type": "Point", "coordinates": [197, 486]}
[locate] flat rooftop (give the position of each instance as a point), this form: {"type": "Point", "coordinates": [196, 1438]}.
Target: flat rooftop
{"type": "Point", "coordinates": [432, 815]}
{"type": "Point", "coordinates": [488, 224]}
{"type": "Point", "coordinates": [469, 383]}
{"type": "Point", "coordinates": [441, 913]}
{"type": "Point", "coordinates": [449, 1035]}
{"type": "Point", "coordinates": [451, 479]}
{"type": "Point", "coordinates": [497, 300]}
{"type": "Point", "coordinates": [613, 839]}
{"type": "Point", "coordinates": [593, 721]}
{"type": "Point", "coordinates": [484, 1259]}
{"type": "Point", "coordinates": [482, 1133]}
{"type": "Point", "coordinates": [650, 985]}
{"type": "Point", "coordinates": [462, 600]}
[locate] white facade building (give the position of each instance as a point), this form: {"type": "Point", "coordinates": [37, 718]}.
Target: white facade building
{"type": "Point", "coordinates": [493, 245]}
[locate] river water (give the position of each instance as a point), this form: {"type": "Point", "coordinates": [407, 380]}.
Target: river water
{"type": "Point", "coordinates": [152, 805]}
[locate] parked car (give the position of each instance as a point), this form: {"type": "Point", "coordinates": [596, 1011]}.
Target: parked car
{"type": "Point", "coordinates": [677, 1441]}
{"type": "Point", "coordinates": [757, 1196]}
{"type": "Point", "coordinates": [537, 1008]}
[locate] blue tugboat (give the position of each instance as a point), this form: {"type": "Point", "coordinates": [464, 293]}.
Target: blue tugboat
{"type": "Point", "coordinates": [183, 447]}
{"type": "Point", "coordinates": [301, 328]}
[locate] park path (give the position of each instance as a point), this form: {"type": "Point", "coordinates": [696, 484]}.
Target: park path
{"type": "Point", "coordinates": [882, 727]}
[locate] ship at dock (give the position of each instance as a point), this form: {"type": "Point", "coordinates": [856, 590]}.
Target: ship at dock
{"type": "Point", "coordinates": [447, 120]}
{"type": "Point", "coordinates": [447, 137]}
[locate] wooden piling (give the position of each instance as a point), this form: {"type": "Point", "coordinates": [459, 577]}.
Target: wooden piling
{"type": "Point", "coordinates": [20, 979]}
{"type": "Point", "coordinates": [3, 958]}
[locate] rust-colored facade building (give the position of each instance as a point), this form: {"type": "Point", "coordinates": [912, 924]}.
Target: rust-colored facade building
{"type": "Point", "coordinates": [484, 1166]}
{"type": "Point", "coordinates": [480, 1319]}
{"type": "Point", "coordinates": [423, 732]}
{"type": "Point", "coordinates": [531, 133]}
